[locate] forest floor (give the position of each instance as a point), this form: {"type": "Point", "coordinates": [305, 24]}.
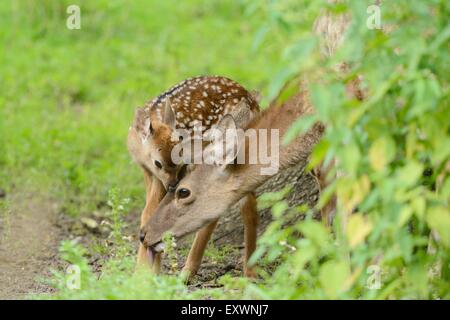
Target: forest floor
{"type": "Point", "coordinates": [33, 226]}
{"type": "Point", "coordinates": [29, 238]}
{"type": "Point", "coordinates": [32, 229]}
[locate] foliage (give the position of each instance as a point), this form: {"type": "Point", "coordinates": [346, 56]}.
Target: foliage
{"type": "Point", "coordinates": [118, 209]}
{"type": "Point", "coordinates": [68, 96]}
{"type": "Point", "coordinates": [117, 281]}
{"type": "Point", "coordinates": [393, 151]}
{"type": "Point", "coordinates": [119, 278]}
{"type": "Point", "coordinates": [67, 100]}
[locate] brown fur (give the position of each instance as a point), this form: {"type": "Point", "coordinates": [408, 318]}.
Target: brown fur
{"type": "Point", "coordinates": [215, 188]}
{"type": "Point", "coordinates": [151, 138]}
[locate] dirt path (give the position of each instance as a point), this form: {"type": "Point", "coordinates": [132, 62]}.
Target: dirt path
{"type": "Point", "coordinates": [28, 245]}
{"type": "Point", "coordinates": [32, 229]}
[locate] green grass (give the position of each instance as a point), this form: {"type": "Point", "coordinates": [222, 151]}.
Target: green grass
{"type": "Point", "coordinates": [68, 96]}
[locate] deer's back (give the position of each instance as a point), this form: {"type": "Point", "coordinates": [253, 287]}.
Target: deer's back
{"type": "Point", "coordinates": [201, 100]}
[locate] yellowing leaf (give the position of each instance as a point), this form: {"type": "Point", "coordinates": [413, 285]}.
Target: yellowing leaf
{"type": "Point", "coordinates": [351, 193]}
{"type": "Point", "coordinates": [357, 229]}
{"type": "Point", "coordinates": [381, 153]}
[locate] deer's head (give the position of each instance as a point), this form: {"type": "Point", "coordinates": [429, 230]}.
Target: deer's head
{"type": "Point", "coordinates": [150, 142]}
{"type": "Point", "coordinates": [201, 196]}
{"type": "Point", "coordinates": [207, 190]}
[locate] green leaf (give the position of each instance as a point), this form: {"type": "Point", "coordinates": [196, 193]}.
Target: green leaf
{"type": "Point", "coordinates": [325, 98]}
{"type": "Point", "coordinates": [381, 153]}
{"type": "Point", "coordinates": [417, 275]}
{"type": "Point", "coordinates": [333, 276]}
{"type": "Point", "coordinates": [351, 157]}
{"type": "Point", "coordinates": [438, 218]}
{"type": "Point", "coordinates": [405, 215]}
{"type": "Point", "coordinates": [279, 208]}
{"type": "Point", "coordinates": [316, 232]}
{"type": "Point", "coordinates": [440, 39]}
{"type": "Point", "coordinates": [318, 154]}
{"type": "Point", "coordinates": [300, 50]}
{"type": "Point", "coordinates": [280, 78]}
{"type": "Point", "coordinates": [409, 174]}
{"type": "Point", "coordinates": [268, 199]}
{"type": "Point", "coordinates": [418, 205]}
{"type": "Point", "coordinates": [300, 126]}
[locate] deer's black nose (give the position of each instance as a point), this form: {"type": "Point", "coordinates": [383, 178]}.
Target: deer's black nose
{"type": "Point", "coordinates": [141, 236]}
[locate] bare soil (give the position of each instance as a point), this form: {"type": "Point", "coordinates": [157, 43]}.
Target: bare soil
{"type": "Point", "coordinates": [28, 245]}
{"type": "Point", "coordinates": [31, 228]}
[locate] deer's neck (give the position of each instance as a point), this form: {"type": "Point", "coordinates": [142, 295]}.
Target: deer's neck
{"type": "Point", "coordinates": [273, 156]}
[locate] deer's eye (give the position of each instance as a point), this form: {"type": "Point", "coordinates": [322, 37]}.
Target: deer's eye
{"type": "Point", "coordinates": [183, 193]}
{"type": "Point", "coordinates": [158, 164]}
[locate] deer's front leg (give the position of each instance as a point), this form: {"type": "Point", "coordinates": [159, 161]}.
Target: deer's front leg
{"type": "Point", "coordinates": [250, 217]}
{"type": "Point", "coordinates": [198, 247]}
{"type": "Point", "coordinates": [154, 193]}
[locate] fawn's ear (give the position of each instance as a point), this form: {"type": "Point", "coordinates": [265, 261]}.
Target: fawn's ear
{"type": "Point", "coordinates": [141, 123]}
{"type": "Point", "coordinates": [169, 115]}
{"type": "Point", "coordinates": [232, 139]}
{"type": "Point", "coordinates": [256, 95]}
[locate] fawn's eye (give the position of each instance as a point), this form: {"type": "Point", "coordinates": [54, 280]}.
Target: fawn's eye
{"type": "Point", "coordinates": [183, 193]}
{"type": "Point", "coordinates": [158, 164]}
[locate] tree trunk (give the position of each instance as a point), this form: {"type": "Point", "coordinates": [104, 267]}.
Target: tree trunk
{"type": "Point", "coordinates": [230, 229]}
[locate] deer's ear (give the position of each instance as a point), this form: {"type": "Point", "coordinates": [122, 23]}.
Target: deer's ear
{"type": "Point", "coordinates": [256, 95]}
{"type": "Point", "coordinates": [226, 143]}
{"type": "Point", "coordinates": [169, 115]}
{"type": "Point", "coordinates": [142, 123]}
{"type": "Point", "coordinates": [232, 139]}
{"type": "Point", "coordinates": [226, 123]}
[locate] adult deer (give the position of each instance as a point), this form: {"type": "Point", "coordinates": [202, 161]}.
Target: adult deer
{"type": "Point", "coordinates": [208, 190]}
{"type": "Point", "coordinates": [196, 101]}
